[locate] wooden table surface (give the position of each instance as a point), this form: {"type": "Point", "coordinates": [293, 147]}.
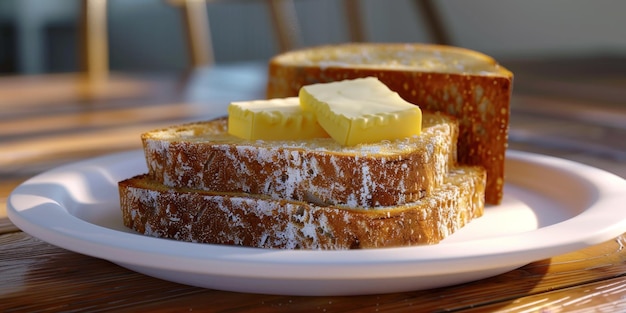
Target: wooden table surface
{"type": "Point", "coordinates": [46, 121]}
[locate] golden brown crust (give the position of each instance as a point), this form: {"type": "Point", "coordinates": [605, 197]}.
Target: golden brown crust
{"type": "Point", "coordinates": [153, 209]}
{"type": "Point", "coordinates": [479, 98]}
{"type": "Point", "coordinates": [201, 156]}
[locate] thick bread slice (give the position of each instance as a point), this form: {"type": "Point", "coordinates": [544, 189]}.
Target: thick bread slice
{"type": "Point", "coordinates": [464, 83]}
{"type": "Point", "coordinates": [203, 156]}
{"type": "Point", "coordinates": [151, 208]}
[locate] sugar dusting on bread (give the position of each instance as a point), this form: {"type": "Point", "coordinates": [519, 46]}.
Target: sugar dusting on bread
{"type": "Point", "coordinates": [318, 170]}
{"type": "Point", "coordinates": [257, 221]}
{"type": "Point", "coordinates": [415, 57]}
{"type": "Point", "coordinates": [206, 186]}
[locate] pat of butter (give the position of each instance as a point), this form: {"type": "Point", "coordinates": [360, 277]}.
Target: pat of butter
{"type": "Point", "coordinates": [274, 119]}
{"type": "Point", "coordinates": [362, 110]}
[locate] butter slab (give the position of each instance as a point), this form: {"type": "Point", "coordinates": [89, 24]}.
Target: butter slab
{"type": "Point", "coordinates": [362, 110]}
{"type": "Point", "coordinates": [273, 119]}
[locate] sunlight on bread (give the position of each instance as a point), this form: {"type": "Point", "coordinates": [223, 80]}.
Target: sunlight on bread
{"type": "Point", "coordinates": [294, 172]}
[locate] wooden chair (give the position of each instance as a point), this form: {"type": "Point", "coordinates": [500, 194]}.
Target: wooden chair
{"type": "Point", "coordinates": [198, 33]}
{"type": "Point", "coordinates": [286, 25]}
{"type": "Point", "coordinates": [93, 40]}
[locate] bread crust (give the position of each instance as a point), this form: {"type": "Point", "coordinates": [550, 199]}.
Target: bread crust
{"type": "Point", "coordinates": [151, 208]}
{"type": "Point", "coordinates": [202, 156]}
{"type": "Point", "coordinates": [480, 100]}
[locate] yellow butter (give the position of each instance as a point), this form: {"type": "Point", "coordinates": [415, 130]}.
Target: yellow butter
{"type": "Point", "coordinates": [362, 110]}
{"type": "Point", "coordinates": [274, 119]}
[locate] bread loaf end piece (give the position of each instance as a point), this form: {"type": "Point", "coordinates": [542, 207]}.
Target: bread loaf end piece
{"type": "Point", "coordinates": [151, 208]}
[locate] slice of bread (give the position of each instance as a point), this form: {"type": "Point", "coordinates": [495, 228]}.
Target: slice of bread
{"type": "Point", "coordinates": [204, 156]}
{"type": "Point", "coordinates": [154, 209]}
{"type": "Point", "coordinates": [466, 84]}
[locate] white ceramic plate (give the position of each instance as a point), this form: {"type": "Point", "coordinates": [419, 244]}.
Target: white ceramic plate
{"type": "Point", "coordinates": [551, 206]}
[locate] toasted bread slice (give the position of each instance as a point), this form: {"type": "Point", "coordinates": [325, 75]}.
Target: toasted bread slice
{"type": "Point", "coordinates": [460, 82]}
{"type": "Point", "coordinates": [204, 156]}
{"type": "Point", "coordinates": [154, 209]}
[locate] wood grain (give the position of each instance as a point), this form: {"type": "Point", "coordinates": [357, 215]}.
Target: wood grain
{"type": "Point", "coordinates": [38, 276]}
{"type": "Point", "coordinates": [25, 94]}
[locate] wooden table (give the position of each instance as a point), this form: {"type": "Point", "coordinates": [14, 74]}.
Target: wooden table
{"type": "Point", "coordinates": [51, 120]}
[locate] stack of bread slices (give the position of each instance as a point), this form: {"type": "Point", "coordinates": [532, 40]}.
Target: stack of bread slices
{"type": "Point", "coordinates": [206, 185]}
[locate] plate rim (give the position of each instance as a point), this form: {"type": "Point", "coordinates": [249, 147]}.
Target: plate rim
{"type": "Point", "coordinates": [140, 250]}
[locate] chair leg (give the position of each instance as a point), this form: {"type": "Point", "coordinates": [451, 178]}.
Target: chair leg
{"type": "Point", "coordinates": [286, 24]}
{"type": "Point", "coordinates": [197, 29]}
{"type": "Point", "coordinates": [434, 22]}
{"type": "Point", "coordinates": [354, 19]}
{"type": "Point", "coordinates": [94, 41]}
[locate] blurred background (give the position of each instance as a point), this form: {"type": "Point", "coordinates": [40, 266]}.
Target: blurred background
{"type": "Point", "coordinates": [42, 36]}
{"type": "Point", "coordinates": [568, 56]}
